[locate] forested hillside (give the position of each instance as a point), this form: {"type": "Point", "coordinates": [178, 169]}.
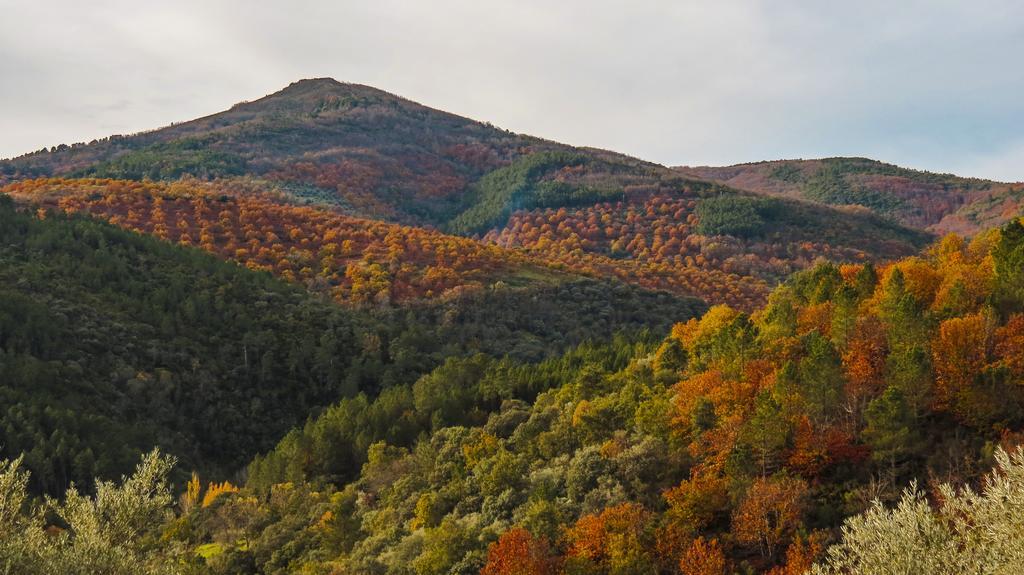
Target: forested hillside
{"type": "Point", "coordinates": [696, 240]}
{"type": "Point", "coordinates": [939, 202]}
{"type": "Point", "coordinates": [738, 443]}
{"type": "Point", "coordinates": [352, 260]}
{"type": "Point", "coordinates": [689, 241]}
{"type": "Point", "coordinates": [112, 342]}
{"type": "Point", "coordinates": [366, 336]}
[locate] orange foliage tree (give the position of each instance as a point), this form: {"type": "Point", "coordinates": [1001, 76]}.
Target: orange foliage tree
{"type": "Point", "coordinates": [770, 513]}
{"type": "Point", "coordinates": [618, 537]}
{"type": "Point", "coordinates": [703, 558]}
{"type": "Point", "coordinates": [959, 353]}
{"type": "Point", "coordinates": [1010, 345]}
{"type": "Point", "coordinates": [518, 552]}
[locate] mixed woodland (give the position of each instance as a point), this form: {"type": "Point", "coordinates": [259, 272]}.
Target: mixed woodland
{"type": "Point", "coordinates": [332, 331]}
{"type": "Point", "coordinates": [739, 442]}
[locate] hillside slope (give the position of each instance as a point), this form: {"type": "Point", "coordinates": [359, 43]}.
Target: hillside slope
{"type": "Point", "coordinates": [939, 202]}
{"type": "Point", "coordinates": [724, 247]}
{"type": "Point", "coordinates": [739, 444]}
{"type": "Point", "coordinates": [112, 342]}
{"type": "Point", "coordinates": [696, 241]}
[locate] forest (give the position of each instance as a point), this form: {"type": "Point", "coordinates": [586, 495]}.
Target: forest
{"type": "Point", "coordinates": [112, 342]}
{"type": "Point", "coordinates": [726, 248]}
{"type": "Point", "coordinates": [739, 442]}
{"type": "Point", "coordinates": [676, 241]}
{"type": "Point", "coordinates": [332, 331]}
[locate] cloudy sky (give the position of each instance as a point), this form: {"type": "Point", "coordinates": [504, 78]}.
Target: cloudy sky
{"type": "Point", "coordinates": [931, 84]}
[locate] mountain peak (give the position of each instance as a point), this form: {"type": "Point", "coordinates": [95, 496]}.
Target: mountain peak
{"type": "Point", "coordinates": [324, 81]}
{"type": "Point", "coordinates": [311, 93]}
{"type": "Point", "coordinates": [313, 85]}
{"type": "Point", "coordinates": [320, 87]}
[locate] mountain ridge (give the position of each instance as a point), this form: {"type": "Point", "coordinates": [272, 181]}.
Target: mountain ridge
{"type": "Point", "coordinates": [826, 158]}
{"type": "Point", "coordinates": [939, 202]}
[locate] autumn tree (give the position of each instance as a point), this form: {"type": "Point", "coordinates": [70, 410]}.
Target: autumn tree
{"type": "Point", "coordinates": [1009, 347]}
{"type": "Point", "coordinates": [615, 541]}
{"type": "Point", "coordinates": [215, 490]}
{"type": "Point", "coordinates": [809, 453]}
{"type": "Point", "coordinates": [959, 353]}
{"type": "Point", "coordinates": [801, 554]}
{"type": "Point", "coordinates": [770, 513]}
{"type": "Point", "coordinates": [693, 506]}
{"type": "Point", "coordinates": [864, 361]}
{"type": "Point", "coordinates": [518, 552]}
{"type": "Point", "coordinates": [190, 498]}
{"type": "Point", "coordinates": [703, 558]}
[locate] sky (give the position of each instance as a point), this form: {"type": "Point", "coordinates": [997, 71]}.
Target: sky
{"type": "Point", "coordinates": [936, 84]}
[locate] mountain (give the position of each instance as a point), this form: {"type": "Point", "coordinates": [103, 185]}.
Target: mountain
{"type": "Point", "coordinates": [568, 244]}
{"type": "Point", "coordinates": [938, 202]}
{"type": "Point", "coordinates": [370, 151]}
{"type": "Point", "coordinates": [359, 153]}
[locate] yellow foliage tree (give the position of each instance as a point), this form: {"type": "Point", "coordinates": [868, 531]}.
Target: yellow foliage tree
{"type": "Point", "coordinates": [215, 490]}
{"type": "Point", "coordinates": [191, 495]}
